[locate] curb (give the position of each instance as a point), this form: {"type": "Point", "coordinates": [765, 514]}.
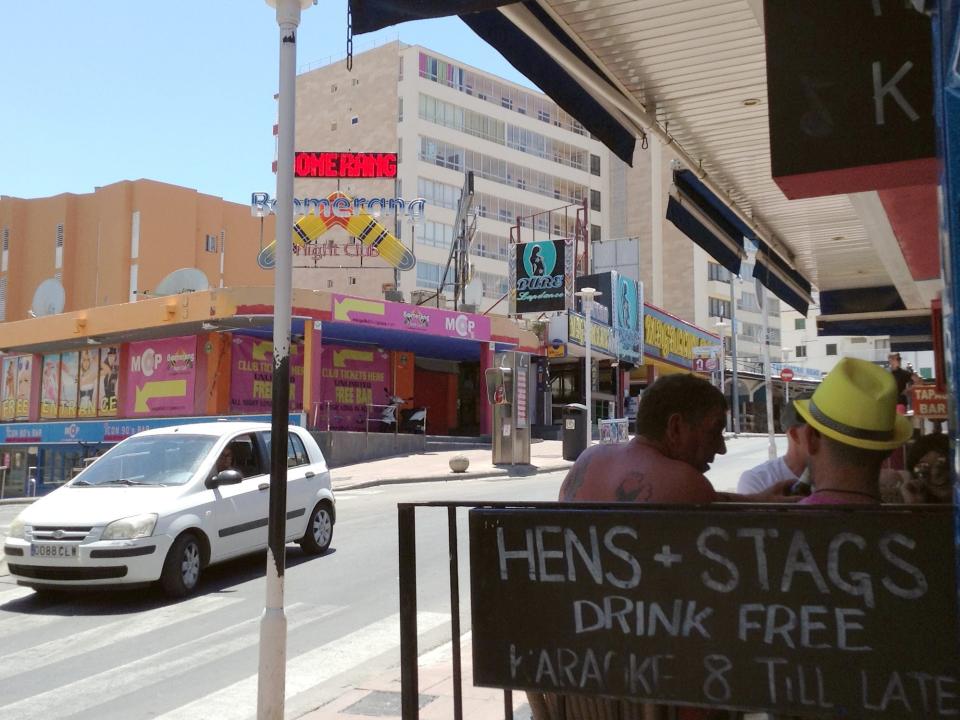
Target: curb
{"type": "Point", "coordinates": [18, 501]}
{"type": "Point", "coordinates": [535, 470]}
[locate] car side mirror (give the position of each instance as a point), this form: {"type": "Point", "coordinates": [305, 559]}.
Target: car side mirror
{"type": "Point", "coordinates": [224, 477]}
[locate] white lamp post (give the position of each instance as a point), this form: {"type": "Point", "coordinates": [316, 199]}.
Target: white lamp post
{"type": "Point", "coordinates": [588, 294]}
{"type": "Point", "coordinates": [721, 325]}
{"type": "Point", "coordinates": [273, 625]}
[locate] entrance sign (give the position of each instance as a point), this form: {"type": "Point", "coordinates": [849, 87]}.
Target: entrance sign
{"type": "Point", "coordinates": [351, 214]}
{"type": "Point", "coordinates": [541, 276]}
{"type": "Point", "coordinates": [800, 611]}
{"type": "Point", "coordinates": [160, 377]}
{"type": "Point", "coordinates": [344, 165]}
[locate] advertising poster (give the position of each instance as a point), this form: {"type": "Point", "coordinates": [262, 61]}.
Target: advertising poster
{"type": "Point", "coordinates": [542, 276]}
{"type": "Point", "coordinates": [160, 377]}
{"type": "Point", "coordinates": [8, 393]}
{"type": "Point", "coordinates": [353, 378]}
{"type": "Point", "coordinates": [50, 387]}
{"type": "Point", "coordinates": [88, 380]}
{"type": "Point", "coordinates": [109, 377]}
{"type": "Point", "coordinates": [251, 376]}
{"type": "Point", "coordinates": [24, 386]}
{"type": "Point", "coordinates": [69, 367]}
{"type": "Point", "coordinates": [628, 317]}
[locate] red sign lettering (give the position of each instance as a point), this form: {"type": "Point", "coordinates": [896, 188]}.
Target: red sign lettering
{"type": "Point", "coordinates": [345, 165]}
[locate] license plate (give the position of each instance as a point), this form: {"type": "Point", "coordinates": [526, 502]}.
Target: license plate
{"type": "Point", "coordinates": [53, 550]}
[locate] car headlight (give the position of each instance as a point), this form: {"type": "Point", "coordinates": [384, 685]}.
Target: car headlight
{"type": "Point", "coordinates": [130, 528]}
{"type": "Point", "coordinates": [16, 528]}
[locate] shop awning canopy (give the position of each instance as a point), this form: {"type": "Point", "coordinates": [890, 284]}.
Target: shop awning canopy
{"type": "Point", "coordinates": [696, 76]}
{"type": "Point", "coordinates": [875, 311]}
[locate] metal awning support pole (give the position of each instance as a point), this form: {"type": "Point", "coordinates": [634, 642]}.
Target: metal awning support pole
{"type": "Point", "coordinates": [407, 550]}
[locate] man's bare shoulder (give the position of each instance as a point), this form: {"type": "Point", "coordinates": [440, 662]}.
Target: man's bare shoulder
{"type": "Point", "coordinates": [634, 472]}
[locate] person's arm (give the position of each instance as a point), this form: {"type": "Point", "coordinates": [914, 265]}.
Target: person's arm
{"type": "Point", "coordinates": [776, 493]}
{"type": "Point", "coordinates": [749, 483]}
{"type": "Point", "coordinates": [575, 478]}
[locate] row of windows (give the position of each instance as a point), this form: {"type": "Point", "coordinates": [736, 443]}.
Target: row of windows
{"type": "Point", "coordinates": [435, 234]}
{"type": "Point", "coordinates": [717, 272]}
{"type": "Point", "coordinates": [428, 275]}
{"type": "Point", "coordinates": [488, 128]}
{"type": "Point", "coordinates": [489, 245]}
{"type": "Point", "coordinates": [484, 88]}
{"type": "Point", "coordinates": [494, 286]}
{"type": "Point", "coordinates": [719, 308]}
{"type": "Point", "coordinates": [438, 194]}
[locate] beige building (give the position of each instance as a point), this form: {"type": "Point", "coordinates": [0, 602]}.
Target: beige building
{"type": "Point", "coordinates": [118, 243]}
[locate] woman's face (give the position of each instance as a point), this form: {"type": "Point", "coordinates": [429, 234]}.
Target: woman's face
{"type": "Point", "coordinates": [929, 480]}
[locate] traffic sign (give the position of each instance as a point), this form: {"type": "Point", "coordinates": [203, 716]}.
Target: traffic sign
{"type": "Point", "coordinates": [786, 374]}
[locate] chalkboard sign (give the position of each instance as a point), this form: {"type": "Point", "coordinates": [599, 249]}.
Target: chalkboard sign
{"type": "Point", "coordinates": [835, 612]}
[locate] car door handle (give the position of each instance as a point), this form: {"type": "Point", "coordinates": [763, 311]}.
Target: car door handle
{"type": "Point", "coordinates": [309, 473]}
{"type": "Point", "coordinates": [263, 486]}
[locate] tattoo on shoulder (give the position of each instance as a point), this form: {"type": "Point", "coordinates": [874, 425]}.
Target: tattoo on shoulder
{"type": "Point", "coordinates": [634, 488]}
{"type": "Point", "coordinates": [573, 482]}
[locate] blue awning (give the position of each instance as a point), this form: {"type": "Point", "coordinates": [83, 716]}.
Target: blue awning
{"type": "Point", "coordinates": [770, 269]}
{"type": "Point", "coordinates": [521, 51]}
{"type": "Point", "coordinates": [875, 311]}
{"type": "Point", "coordinates": [698, 227]}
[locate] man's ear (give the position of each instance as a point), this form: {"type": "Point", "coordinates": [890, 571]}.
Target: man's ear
{"type": "Point", "coordinates": [674, 428]}
{"type": "Point", "coordinates": [810, 438]}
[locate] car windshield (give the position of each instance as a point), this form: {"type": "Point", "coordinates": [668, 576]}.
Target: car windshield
{"type": "Point", "coordinates": [156, 460]}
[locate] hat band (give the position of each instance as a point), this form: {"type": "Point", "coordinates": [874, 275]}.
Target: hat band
{"type": "Point", "coordinates": [848, 430]}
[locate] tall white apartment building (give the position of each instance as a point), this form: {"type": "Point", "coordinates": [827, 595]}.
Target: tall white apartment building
{"type": "Point", "coordinates": [530, 159]}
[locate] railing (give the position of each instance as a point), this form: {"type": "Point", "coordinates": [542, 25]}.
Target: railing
{"type": "Point", "coordinates": [316, 413]}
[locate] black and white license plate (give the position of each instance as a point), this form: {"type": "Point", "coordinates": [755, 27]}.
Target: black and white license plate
{"type": "Point", "coordinates": [53, 550]}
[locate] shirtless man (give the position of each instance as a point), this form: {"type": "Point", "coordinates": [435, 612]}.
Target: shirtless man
{"type": "Point", "coordinates": [680, 426]}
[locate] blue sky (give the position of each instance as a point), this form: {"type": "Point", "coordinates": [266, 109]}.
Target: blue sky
{"type": "Point", "coordinates": [179, 91]}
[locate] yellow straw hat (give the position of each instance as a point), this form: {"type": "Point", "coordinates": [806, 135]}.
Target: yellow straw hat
{"type": "Point", "coordinates": [856, 404]}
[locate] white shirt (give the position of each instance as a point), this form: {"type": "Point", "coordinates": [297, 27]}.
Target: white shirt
{"type": "Point", "coordinates": [759, 478]}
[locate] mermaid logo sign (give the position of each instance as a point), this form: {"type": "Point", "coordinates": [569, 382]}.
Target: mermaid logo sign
{"type": "Point", "coordinates": [539, 275]}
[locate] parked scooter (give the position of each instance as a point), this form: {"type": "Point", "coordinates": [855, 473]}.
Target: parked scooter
{"type": "Point", "coordinates": [391, 412]}
{"type": "Point", "coordinates": [415, 421]}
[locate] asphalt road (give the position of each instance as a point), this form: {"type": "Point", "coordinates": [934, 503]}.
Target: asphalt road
{"type": "Point", "coordinates": [137, 655]}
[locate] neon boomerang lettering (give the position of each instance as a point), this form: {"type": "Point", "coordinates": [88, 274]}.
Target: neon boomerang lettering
{"type": "Point", "coordinates": [342, 207]}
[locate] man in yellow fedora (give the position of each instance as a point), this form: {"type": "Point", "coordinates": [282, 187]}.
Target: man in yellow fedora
{"type": "Point", "coordinates": [852, 426]}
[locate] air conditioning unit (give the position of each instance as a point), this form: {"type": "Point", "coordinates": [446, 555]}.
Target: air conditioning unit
{"type": "Point", "coordinates": [422, 297]}
{"type": "Point", "coordinates": [393, 295]}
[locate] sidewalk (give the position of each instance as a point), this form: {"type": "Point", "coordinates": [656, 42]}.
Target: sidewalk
{"type": "Point", "coordinates": [545, 456]}
{"type": "Point", "coordinates": [380, 695]}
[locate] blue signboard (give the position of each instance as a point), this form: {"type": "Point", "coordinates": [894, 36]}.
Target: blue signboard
{"type": "Point", "coordinates": [109, 431]}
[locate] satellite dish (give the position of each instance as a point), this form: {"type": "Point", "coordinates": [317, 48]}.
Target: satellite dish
{"type": "Point", "coordinates": [182, 281]}
{"type": "Point", "coordinates": [48, 299]}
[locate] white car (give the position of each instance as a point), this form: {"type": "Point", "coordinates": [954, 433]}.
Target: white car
{"type": "Point", "coordinates": [161, 506]}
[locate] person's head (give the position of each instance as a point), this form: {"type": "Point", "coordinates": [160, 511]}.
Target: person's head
{"type": "Point", "coordinates": [686, 415]}
{"type": "Point", "coordinates": [852, 421]}
{"type": "Point", "coordinates": [894, 360]}
{"type": "Point", "coordinates": [225, 461]}
{"type": "Point", "coordinates": [792, 425]}
{"type": "Point", "coordinates": [929, 470]}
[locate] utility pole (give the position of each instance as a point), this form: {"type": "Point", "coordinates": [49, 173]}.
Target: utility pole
{"type": "Point", "coordinates": [273, 624]}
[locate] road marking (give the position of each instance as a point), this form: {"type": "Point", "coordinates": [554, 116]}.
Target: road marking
{"type": "Point", "coordinates": [107, 634]}
{"type": "Point", "coordinates": [88, 692]}
{"type": "Point", "coordinates": [312, 668]}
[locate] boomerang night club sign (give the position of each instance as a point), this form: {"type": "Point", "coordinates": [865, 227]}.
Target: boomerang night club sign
{"type": "Point", "coordinates": [541, 276]}
{"type": "Point", "coordinates": [345, 165]}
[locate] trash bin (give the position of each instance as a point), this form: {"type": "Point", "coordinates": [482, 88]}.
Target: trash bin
{"type": "Point", "coordinates": [574, 430]}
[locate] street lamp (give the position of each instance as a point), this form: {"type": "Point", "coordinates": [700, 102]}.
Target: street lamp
{"type": "Point", "coordinates": [273, 624]}
{"type": "Point", "coordinates": [587, 295]}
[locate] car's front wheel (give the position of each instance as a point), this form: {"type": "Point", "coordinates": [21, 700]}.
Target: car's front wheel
{"type": "Point", "coordinates": [181, 570]}
{"type": "Point", "coordinates": [319, 530]}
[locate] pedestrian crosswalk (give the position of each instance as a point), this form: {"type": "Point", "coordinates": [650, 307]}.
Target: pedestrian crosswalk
{"type": "Point", "coordinates": [189, 660]}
